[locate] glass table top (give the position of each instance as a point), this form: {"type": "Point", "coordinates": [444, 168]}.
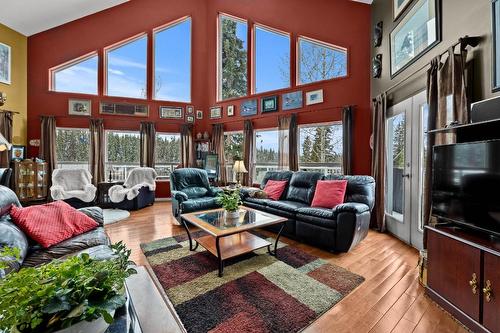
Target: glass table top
{"type": "Point", "coordinates": [218, 219]}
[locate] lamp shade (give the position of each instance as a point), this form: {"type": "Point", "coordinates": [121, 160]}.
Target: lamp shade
{"type": "Point", "coordinates": [4, 144]}
{"type": "Point", "coordinates": [239, 166]}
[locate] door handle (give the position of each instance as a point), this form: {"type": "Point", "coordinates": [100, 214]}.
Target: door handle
{"type": "Point", "coordinates": [473, 283]}
{"type": "Point", "coordinates": [488, 291]}
{"type": "Point", "coordinates": [406, 175]}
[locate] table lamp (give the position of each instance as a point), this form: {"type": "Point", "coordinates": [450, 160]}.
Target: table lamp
{"type": "Point", "coordinates": [239, 168]}
{"type": "Point", "coordinates": [4, 144]}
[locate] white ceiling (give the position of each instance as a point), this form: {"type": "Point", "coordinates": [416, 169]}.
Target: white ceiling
{"type": "Point", "coordinates": [33, 16]}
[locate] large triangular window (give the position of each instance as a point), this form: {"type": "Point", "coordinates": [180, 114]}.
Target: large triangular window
{"type": "Point", "coordinates": [76, 76]}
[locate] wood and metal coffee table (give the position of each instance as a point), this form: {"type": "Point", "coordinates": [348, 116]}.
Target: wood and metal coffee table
{"type": "Point", "coordinates": [229, 238]}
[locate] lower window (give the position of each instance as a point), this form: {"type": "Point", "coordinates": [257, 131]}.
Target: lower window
{"type": "Point", "coordinates": [233, 150]}
{"type": "Point", "coordinates": [167, 154]}
{"type": "Point", "coordinates": [122, 153]}
{"type": "Point", "coordinates": [72, 148]}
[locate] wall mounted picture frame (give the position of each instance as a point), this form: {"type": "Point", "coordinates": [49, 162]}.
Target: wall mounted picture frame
{"type": "Point", "coordinates": [269, 104]}
{"type": "Point", "coordinates": [377, 66]}
{"type": "Point", "coordinates": [190, 109]}
{"type": "Point", "coordinates": [314, 97]}
{"type": "Point", "coordinates": [17, 153]}
{"type": "Point", "coordinates": [495, 84]}
{"type": "Point", "coordinates": [79, 107]}
{"type": "Point", "coordinates": [292, 100]}
{"type": "Point", "coordinates": [248, 107]}
{"type": "Point", "coordinates": [171, 112]}
{"type": "Point", "coordinates": [124, 109]}
{"type": "Point", "coordinates": [189, 119]}
{"type": "Point", "coordinates": [378, 33]}
{"type": "Point", "coordinates": [230, 110]}
{"type": "Point", "coordinates": [216, 112]}
{"type": "Point", "coordinates": [417, 33]}
{"type": "Point", "coordinates": [199, 114]}
{"type": "Point", "coordinates": [5, 63]}
{"type": "Point", "coordinates": [398, 7]}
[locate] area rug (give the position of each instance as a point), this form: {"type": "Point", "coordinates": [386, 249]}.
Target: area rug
{"type": "Point", "coordinates": [114, 215]}
{"type": "Point", "coordinates": [258, 292]}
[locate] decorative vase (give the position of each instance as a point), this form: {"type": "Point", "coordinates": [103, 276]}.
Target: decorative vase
{"type": "Point", "coordinates": [233, 215]}
{"type": "Point", "coordinates": [199, 135]}
{"type": "Point", "coordinates": [96, 326]}
{"type": "Point", "coordinates": [206, 136]}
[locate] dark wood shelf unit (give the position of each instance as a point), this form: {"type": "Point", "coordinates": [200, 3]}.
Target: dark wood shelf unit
{"type": "Point", "coordinates": [480, 131]}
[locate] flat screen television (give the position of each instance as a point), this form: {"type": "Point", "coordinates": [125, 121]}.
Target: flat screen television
{"type": "Point", "coordinates": [466, 185]}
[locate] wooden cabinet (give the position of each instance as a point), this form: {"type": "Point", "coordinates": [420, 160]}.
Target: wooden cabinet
{"type": "Point", "coordinates": [463, 272]}
{"type": "Point", "coordinates": [30, 180]}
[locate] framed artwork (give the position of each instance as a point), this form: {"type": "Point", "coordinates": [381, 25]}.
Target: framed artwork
{"type": "Point", "coordinates": [292, 100]}
{"type": "Point", "coordinates": [216, 112]}
{"type": "Point", "coordinates": [230, 110]}
{"type": "Point", "coordinates": [398, 6]}
{"type": "Point", "coordinates": [190, 119]}
{"type": "Point", "coordinates": [5, 63]}
{"type": "Point", "coordinates": [314, 97]}
{"type": "Point", "coordinates": [124, 109]}
{"type": "Point", "coordinates": [170, 112]}
{"type": "Point", "coordinates": [248, 108]}
{"type": "Point", "coordinates": [17, 153]}
{"type": "Point", "coordinates": [417, 33]}
{"type": "Point", "coordinates": [269, 104]}
{"type": "Point", "coordinates": [190, 109]}
{"type": "Point", "coordinates": [495, 85]}
{"type": "Point", "coordinates": [199, 114]}
{"type": "Point", "coordinates": [80, 107]}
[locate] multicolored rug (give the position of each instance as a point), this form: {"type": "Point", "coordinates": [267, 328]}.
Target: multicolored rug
{"type": "Point", "coordinates": [258, 292]}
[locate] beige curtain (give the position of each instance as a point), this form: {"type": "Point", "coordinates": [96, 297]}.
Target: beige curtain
{"type": "Point", "coordinates": [379, 160]}
{"type": "Point", "coordinates": [148, 144]}
{"type": "Point", "coordinates": [97, 148]}
{"type": "Point", "coordinates": [217, 144]}
{"type": "Point", "coordinates": [187, 147]}
{"type": "Point", "coordinates": [347, 125]}
{"type": "Point", "coordinates": [293, 144]}
{"type": "Point", "coordinates": [6, 131]}
{"type": "Point", "coordinates": [48, 143]}
{"type": "Point", "coordinates": [248, 152]}
{"type": "Point", "coordinates": [284, 146]}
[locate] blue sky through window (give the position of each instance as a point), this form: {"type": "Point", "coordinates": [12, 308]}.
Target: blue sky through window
{"type": "Point", "coordinates": [319, 62]}
{"type": "Point", "coordinates": [78, 78]}
{"type": "Point", "coordinates": [267, 140]}
{"type": "Point", "coordinates": [173, 63]}
{"type": "Point", "coordinates": [126, 72]}
{"type": "Point", "coordinates": [272, 60]}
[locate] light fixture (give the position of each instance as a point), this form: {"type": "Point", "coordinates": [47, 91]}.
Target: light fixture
{"type": "Point", "coordinates": [239, 168]}
{"type": "Point", "coordinates": [4, 144]}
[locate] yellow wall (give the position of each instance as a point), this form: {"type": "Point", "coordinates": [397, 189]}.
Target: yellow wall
{"type": "Point", "coordinates": [17, 91]}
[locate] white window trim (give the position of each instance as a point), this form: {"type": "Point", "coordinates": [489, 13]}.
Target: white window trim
{"type": "Point", "coordinates": [68, 64]}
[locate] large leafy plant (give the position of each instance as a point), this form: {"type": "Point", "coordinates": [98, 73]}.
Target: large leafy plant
{"type": "Point", "coordinates": [229, 201]}
{"type": "Point", "coordinates": [62, 293]}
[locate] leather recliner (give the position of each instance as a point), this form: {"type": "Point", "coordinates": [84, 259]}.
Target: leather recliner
{"type": "Point", "coordinates": [5, 175]}
{"type": "Point", "coordinates": [191, 191]}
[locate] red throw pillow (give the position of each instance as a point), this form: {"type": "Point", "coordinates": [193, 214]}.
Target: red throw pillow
{"type": "Point", "coordinates": [274, 189]}
{"type": "Point", "coordinates": [329, 193]}
{"type": "Point", "coordinates": [51, 223]}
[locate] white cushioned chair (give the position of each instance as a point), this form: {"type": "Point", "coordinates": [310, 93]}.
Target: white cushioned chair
{"type": "Point", "coordinates": [73, 186]}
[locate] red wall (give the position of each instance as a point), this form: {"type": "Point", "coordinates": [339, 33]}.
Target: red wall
{"type": "Point", "coordinates": [341, 22]}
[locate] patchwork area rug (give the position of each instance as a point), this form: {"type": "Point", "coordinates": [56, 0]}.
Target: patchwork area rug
{"type": "Point", "coordinates": [258, 292]}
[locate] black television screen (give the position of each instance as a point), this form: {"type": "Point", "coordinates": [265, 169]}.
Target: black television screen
{"type": "Point", "coordinates": [466, 184]}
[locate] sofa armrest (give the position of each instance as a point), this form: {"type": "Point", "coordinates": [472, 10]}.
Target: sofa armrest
{"type": "Point", "coordinates": [214, 191]}
{"type": "Point", "coordinates": [353, 222]}
{"type": "Point", "coordinates": [179, 196]}
{"type": "Point", "coordinates": [351, 207]}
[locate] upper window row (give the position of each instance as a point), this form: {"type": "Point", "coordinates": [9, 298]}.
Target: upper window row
{"type": "Point", "coordinates": [316, 61]}
{"type": "Point", "coordinates": [126, 67]}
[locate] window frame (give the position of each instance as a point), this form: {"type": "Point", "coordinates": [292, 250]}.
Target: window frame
{"type": "Point", "coordinates": [115, 46]}
{"type": "Point", "coordinates": [106, 161]}
{"type": "Point", "coordinates": [322, 44]}
{"type": "Point", "coordinates": [165, 178]}
{"type": "Point", "coordinates": [253, 65]}
{"type": "Point", "coordinates": [70, 63]}
{"type": "Point", "coordinates": [153, 51]}
{"type": "Point", "coordinates": [218, 78]}
{"type": "Point", "coordinates": [75, 129]}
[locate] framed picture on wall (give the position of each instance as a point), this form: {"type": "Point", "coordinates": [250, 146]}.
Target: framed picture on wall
{"type": "Point", "coordinates": [170, 112]}
{"type": "Point", "coordinates": [230, 110]}
{"type": "Point", "coordinates": [496, 45]}
{"type": "Point", "coordinates": [269, 104]}
{"type": "Point", "coordinates": [190, 109]}
{"type": "Point", "coordinates": [248, 108]}
{"type": "Point", "coordinates": [314, 97]}
{"type": "Point", "coordinates": [292, 100]}
{"type": "Point", "coordinates": [5, 63]}
{"type": "Point", "coordinates": [417, 33]}
{"type": "Point", "coordinates": [199, 114]}
{"type": "Point", "coordinates": [79, 107]}
{"type": "Point", "coordinates": [216, 112]}
{"type": "Point", "coordinates": [189, 119]}
{"type": "Point", "coordinates": [17, 153]}
{"type": "Point", "coordinates": [398, 6]}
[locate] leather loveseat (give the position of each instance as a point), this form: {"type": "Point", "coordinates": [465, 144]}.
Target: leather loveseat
{"type": "Point", "coordinates": [94, 242]}
{"type": "Point", "coordinates": [339, 229]}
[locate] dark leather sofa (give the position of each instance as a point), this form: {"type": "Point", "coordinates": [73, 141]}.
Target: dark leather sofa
{"type": "Point", "coordinates": [191, 191]}
{"type": "Point", "coordinates": [94, 242]}
{"type": "Point", "coordinates": [5, 176]}
{"type": "Point", "coordinates": [339, 229]}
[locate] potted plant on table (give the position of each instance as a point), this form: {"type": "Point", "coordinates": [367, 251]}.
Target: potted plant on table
{"type": "Point", "coordinates": [78, 294]}
{"type": "Point", "coordinates": [231, 202]}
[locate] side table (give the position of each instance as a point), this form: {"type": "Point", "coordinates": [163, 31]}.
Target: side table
{"type": "Point", "coordinates": [103, 200]}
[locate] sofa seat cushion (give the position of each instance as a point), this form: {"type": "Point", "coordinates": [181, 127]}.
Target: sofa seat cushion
{"type": "Point", "coordinates": [194, 205]}
{"type": "Point", "coordinates": [39, 255]}
{"type": "Point", "coordinates": [325, 213]}
{"type": "Point", "coordinates": [276, 211]}
{"type": "Point", "coordinates": [286, 205]}
{"type": "Point", "coordinates": [324, 222]}
{"type": "Point", "coordinates": [262, 202]}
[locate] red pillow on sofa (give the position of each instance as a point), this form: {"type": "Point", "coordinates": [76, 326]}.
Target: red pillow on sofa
{"type": "Point", "coordinates": [329, 193]}
{"type": "Point", "coordinates": [51, 223]}
{"type": "Point", "coordinates": [274, 189]}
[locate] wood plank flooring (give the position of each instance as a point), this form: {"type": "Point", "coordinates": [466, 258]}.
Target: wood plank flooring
{"type": "Point", "coordinates": [390, 300]}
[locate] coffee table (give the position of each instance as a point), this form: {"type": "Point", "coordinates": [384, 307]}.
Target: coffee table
{"type": "Point", "coordinates": [228, 238]}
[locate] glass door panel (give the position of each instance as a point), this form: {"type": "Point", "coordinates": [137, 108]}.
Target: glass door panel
{"type": "Point", "coordinates": [396, 140]}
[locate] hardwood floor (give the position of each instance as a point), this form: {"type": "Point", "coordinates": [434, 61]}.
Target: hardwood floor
{"type": "Point", "coordinates": [390, 300]}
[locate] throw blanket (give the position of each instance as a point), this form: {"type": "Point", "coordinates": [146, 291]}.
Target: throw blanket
{"type": "Point", "coordinates": [72, 183]}
{"type": "Point", "coordinates": [137, 178]}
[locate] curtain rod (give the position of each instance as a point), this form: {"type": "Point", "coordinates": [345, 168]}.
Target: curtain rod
{"type": "Point", "coordinates": [463, 42]}
{"type": "Point", "coordinates": [15, 112]}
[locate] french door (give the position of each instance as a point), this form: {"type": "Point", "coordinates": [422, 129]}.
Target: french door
{"type": "Point", "coordinates": [406, 125]}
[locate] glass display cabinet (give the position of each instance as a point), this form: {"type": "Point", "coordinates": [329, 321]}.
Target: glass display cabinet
{"type": "Point", "coordinates": [30, 180]}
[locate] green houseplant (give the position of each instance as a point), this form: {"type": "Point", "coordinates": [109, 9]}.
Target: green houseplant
{"type": "Point", "coordinates": [231, 202]}
{"type": "Point", "coordinates": [62, 293]}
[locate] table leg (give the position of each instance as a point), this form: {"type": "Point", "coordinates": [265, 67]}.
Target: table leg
{"type": "Point", "coordinates": [191, 248]}
{"type": "Point", "coordinates": [274, 253]}
{"type": "Point", "coordinates": [219, 257]}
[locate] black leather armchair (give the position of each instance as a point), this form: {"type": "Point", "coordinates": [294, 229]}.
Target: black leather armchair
{"type": "Point", "coordinates": [191, 191]}
{"type": "Point", "coordinates": [5, 175]}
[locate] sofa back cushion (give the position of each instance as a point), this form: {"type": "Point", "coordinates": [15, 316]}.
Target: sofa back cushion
{"type": "Point", "coordinates": [192, 181]}
{"type": "Point", "coordinates": [302, 185]}
{"type": "Point", "coordinates": [277, 175]}
{"type": "Point", "coordinates": [360, 189]}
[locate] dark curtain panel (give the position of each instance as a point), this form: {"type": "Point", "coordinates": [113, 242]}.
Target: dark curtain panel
{"type": "Point", "coordinates": [379, 160]}
{"type": "Point", "coordinates": [187, 148]}
{"type": "Point", "coordinates": [218, 147]}
{"type": "Point", "coordinates": [293, 143]}
{"type": "Point", "coordinates": [347, 140]}
{"type": "Point", "coordinates": [48, 143]}
{"type": "Point", "coordinates": [148, 144]}
{"type": "Point", "coordinates": [6, 130]}
{"type": "Point", "coordinates": [248, 151]}
{"type": "Point", "coordinates": [96, 128]}
{"type": "Point", "coordinates": [284, 146]}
